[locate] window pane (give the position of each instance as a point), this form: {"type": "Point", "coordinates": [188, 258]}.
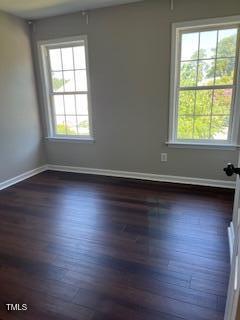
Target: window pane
{"type": "Point", "coordinates": [185, 127]}
{"type": "Point", "coordinates": [206, 69]}
{"type": "Point", "coordinates": [67, 58]}
{"type": "Point", "coordinates": [225, 71]}
{"type": "Point", "coordinates": [201, 128]}
{"type": "Point", "coordinates": [188, 74]}
{"type": "Point", "coordinates": [69, 104]}
{"type": "Point", "coordinates": [219, 127]}
{"type": "Point", "coordinates": [79, 57]}
{"type": "Point", "coordinates": [69, 81]}
{"type": "Point", "coordinates": [203, 102]}
{"type": "Point", "coordinates": [227, 41]}
{"type": "Point", "coordinates": [81, 80]}
{"type": "Point", "coordinates": [58, 104]}
{"type": "Point", "coordinates": [71, 125]}
{"type": "Point", "coordinates": [57, 82]}
{"type": "Point", "coordinates": [189, 50]}
{"type": "Point", "coordinates": [186, 102]}
{"type": "Point", "coordinates": [208, 44]}
{"type": "Point", "coordinates": [68, 89]}
{"type": "Point", "coordinates": [82, 104]}
{"type": "Point", "coordinates": [60, 125]}
{"type": "Point", "coordinates": [222, 101]}
{"type": "Point", "coordinates": [55, 59]}
{"type": "Point", "coordinates": [83, 125]}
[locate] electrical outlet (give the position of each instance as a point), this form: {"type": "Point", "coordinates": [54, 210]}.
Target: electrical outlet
{"type": "Point", "coordinates": [164, 157]}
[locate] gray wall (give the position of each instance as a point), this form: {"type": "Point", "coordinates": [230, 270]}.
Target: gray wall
{"type": "Point", "coordinates": [129, 48]}
{"type": "Point", "coordinates": [20, 132]}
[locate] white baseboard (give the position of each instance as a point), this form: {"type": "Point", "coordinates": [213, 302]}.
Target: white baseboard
{"type": "Point", "coordinates": [21, 177]}
{"type": "Point", "coordinates": [231, 239]}
{"type": "Point", "coordinates": [122, 174]}
{"type": "Point", "coordinates": [146, 176]}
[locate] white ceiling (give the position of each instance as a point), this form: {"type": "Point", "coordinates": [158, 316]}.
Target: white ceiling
{"type": "Point", "coordinates": [34, 9]}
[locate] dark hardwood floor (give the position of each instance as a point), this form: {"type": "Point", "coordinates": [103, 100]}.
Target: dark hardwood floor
{"type": "Point", "coordinates": [87, 247]}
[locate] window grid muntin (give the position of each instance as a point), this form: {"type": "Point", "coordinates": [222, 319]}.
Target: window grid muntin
{"type": "Point", "coordinates": [233, 86]}
{"type": "Point", "coordinates": [64, 107]}
{"type": "Point", "coordinates": [52, 93]}
{"type": "Point", "coordinates": [195, 97]}
{"type": "Point", "coordinates": [75, 103]}
{"type": "Point", "coordinates": [213, 91]}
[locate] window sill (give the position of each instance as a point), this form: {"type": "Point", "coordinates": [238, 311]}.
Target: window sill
{"type": "Point", "coordinates": [70, 140]}
{"type": "Point", "coordinates": [192, 145]}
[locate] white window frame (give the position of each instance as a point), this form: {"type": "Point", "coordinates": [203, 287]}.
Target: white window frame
{"type": "Point", "coordinates": [43, 47]}
{"type": "Point", "coordinates": [194, 26]}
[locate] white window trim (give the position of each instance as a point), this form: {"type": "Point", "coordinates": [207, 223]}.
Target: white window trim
{"type": "Point", "coordinates": [176, 29]}
{"type": "Point", "coordinates": [45, 86]}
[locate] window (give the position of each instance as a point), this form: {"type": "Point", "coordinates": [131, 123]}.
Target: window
{"type": "Point", "coordinates": [204, 83]}
{"type": "Point", "coordinates": [66, 80]}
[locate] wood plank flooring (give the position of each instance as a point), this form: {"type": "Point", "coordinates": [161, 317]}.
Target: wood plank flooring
{"type": "Point", "coordinates": [80, 247]}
